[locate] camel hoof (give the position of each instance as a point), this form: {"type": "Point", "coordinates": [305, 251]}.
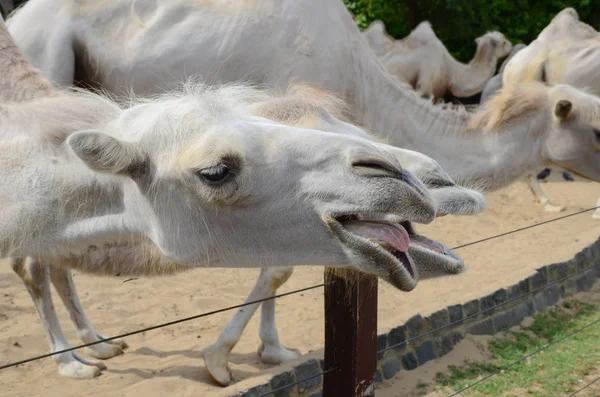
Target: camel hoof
{"type": "Point", "coordinates": [553, 208]}
{"type": "Point", "coordinates": [73, 366]}
{"type": "Point", "coordinates": [121, 343]}
{"type": "Point", "coordinates": [276, 354]}
{"type": "Point", "coordinates": [104, 350]}
{"type": "Point", "coordinates": [215, 358]}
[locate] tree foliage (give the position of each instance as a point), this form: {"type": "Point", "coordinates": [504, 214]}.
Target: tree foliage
{"type": "Point", "coordinates": [458, 22]}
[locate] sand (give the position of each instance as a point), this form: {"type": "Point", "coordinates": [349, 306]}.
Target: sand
{"type": "Point", "coordinates": [169, 361]}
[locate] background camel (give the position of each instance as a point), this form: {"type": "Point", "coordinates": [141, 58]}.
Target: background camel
{"type": "Point", "coordinates": [567, 51]}
{"type": "Point", "coordinates": [495, 83]}
{"type": "Point", "coordinates": [491, 88]}
{"type": "Point", "coordinates": [380, 41]}
{"type": "Point", "coordinates": [115, 257]}
{"type": "Point", "coordinates": [422, 60]}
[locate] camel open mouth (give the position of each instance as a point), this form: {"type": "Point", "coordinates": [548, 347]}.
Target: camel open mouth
{"type": "Point", "coordinates": [399, 254]}
{"type": "Point", "coordinates": [432, 258]}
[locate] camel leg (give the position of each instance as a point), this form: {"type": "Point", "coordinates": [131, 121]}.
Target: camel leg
{"type": "Point", "coordinates": [535, 187]}
{"type": "Point", "coordinates": [271, 351]}
{"type": "Point", "coordinates": [36, 278]}
{"type": "Point", "coordinates": [216, 356]}
{"type": "Point", "coordinates": [596, 214]}
{"type": "Point", "coordinates": [63, 283]}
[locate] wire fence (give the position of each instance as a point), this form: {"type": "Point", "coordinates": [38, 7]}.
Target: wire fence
{"type": "Point", "coordinates": [585, 387]}
{"type": "Point", "coordinates": [162, 325]}
{"type": "Point", "coordinates": [395, 346]}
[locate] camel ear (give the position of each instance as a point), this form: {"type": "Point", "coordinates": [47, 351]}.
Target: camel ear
{"type": "Point", "coordinates": [562, 109]}
{"type": "Point", "coordinates": [103, 153]}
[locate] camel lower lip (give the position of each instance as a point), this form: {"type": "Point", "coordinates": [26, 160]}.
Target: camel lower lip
{"type": "Point", "coordinates": [427, 243]}
{"type": "Point", "coordinates": [403, 258]}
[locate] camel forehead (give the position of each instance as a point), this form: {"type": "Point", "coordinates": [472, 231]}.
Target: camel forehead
{"type": "Point", "coordinates": [245, 139]}
{"type": "Point", "coordinates": [208, 149]}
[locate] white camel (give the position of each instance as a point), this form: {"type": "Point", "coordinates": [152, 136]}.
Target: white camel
{"type": "Point", "coordinates": [382, 43]}
{"type": "Point", "coordinates": [567, 51]}
{"type": "Point", "coordinates": [126, 45]}
{"type": "Point", "coordinates": [39, 117]}
{"type": "Point", "coordinates": [495, 83]}
{"type": "Point", "coordinates": [491, 88]}
{"type": "Point", "coordinates": [421, 60]}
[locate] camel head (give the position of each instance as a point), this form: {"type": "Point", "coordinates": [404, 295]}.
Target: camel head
{"type": "Point", "coordinates": [574, 139]}
{"type": "Point", "coordinates": [308, 107]}
{"type": "Point", "coordinates": [433, 258]}
{"type": "Point", "coordinates": [211, 185]}
{"type": "Point", "coordinates": [376, 26]}
{"type": "Point", "coordinates": [423, 32]}
{"type": "Point", "coordinates": [496, 41]}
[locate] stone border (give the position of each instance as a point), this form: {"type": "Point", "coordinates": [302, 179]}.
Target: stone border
{"type": "Point", "coordinates": [527, 297]}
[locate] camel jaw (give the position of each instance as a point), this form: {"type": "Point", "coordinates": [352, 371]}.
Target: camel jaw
{"type": "Point", "coordinates": [386, 257]}
{"type": "Point", "coordinates": [432, 258]}
{"type": "Point", "coordinates": [402, 266]}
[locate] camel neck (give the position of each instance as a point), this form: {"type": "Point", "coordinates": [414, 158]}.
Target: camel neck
{"type": "Point", "coordinates": [490, 159]}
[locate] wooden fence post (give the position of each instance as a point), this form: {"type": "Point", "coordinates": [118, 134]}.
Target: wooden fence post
{"type": "Point", "coordinates": [350, 334]}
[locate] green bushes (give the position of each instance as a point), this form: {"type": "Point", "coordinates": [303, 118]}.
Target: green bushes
{"type": "Point", "coordinates": [458, 22]}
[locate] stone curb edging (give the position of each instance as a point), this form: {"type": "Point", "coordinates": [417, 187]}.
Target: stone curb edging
{"type": "Point", "coordinates": [503, 308]}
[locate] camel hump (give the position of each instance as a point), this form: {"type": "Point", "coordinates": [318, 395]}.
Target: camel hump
{"type": "Point", "coordinates": [377, 26]}
{"type": "Point", "coordinates": [568, 12]}
{"type": "Point", "coordinates": [423, 32]}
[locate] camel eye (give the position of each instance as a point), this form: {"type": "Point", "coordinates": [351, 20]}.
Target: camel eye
{"type": "Point", "coordinates": [597, 134]}
{"type": "Point", "coordinates": [216, 175]}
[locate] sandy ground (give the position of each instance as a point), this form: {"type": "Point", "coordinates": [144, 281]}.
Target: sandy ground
{"type": "Point", "coordinates": [169, 361]}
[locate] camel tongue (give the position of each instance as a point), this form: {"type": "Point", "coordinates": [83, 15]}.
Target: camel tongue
{"type": "Point", "coordinates": [393, 235]}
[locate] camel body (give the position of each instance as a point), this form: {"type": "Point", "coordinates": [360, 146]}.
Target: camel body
{"type": "Point", "coordinates": [422, 60]}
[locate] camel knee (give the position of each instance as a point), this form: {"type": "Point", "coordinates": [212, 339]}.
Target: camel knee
{"type": "Point", "coordinates": [278, 276]}
{"type": "Point", "coordinates": [17, 265]}
{"type": "Point", "coordinates": [32, 273]}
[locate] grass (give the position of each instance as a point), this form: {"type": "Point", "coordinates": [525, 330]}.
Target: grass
{"type": "Point", "coordinates": [422, 388]}
{"type": "Point", "coordinates": [553, 372]}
